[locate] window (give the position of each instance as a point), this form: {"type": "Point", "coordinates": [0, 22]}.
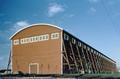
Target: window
{"type": "Point", "coordinates": [35, 38]}
{"type": "Point", "coordinates": [66, 37]}
{"type": "Point", "coordinates": [73, 41]}
{"type": "Point", "coordinates": [16, 42]}
{"type": "Point", "coordinates": [88, 48]}
{"type": "Point", "coordinates": [31, 39]}
{"type": "Point", "coordinates": [95, 52]}
{"type": "Point", "coordinates": [79, 44]}
{"type": "Point", "coordinates": [91, 50]}
{"type": "Point", "coordinates": [22, 41]}
{"type": "Point", "coordinates": [26, 40]}
{"type": "Point", "coordinates": [84, 46]}
{"type": "Point", "coordinates": [43, 37]}
{"type": "Point", "coordinates": [40, 38]}
{"type": "Point", "coordinates": [54, 35]}
{"type": "Point", "coordinates": [46, 37]}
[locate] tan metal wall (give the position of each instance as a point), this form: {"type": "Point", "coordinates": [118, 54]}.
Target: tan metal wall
{"type": "Point", "coordinates": [47, 54]}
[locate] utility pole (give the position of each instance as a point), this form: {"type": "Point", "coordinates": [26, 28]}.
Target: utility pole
{"type": "Point", "coordinates": [9, 62]}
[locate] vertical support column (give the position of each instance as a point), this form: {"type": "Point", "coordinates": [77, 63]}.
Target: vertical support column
{"type": "Point", "coordinates": [101, 69]}
{"type": "Point", "coordinates": [99, 62]}
{"type": "Point", "coordinates": [96, 69]}
{"type": "Point", "coordinates": [85, 64]}
{"type": "Point", "coordinates": [65, 52]}
{"type": "Point", "coordinates": [103, 64]}
{"type": "Point", "coordinates": [74, 57]}
{"type": "Point", "coordinates": [79, 57]}
{"type": "Point", "coordinates": [89, 62]}
{"type": "Point", "coordinates": [92, 59]}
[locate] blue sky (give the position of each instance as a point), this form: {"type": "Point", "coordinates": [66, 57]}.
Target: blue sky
{"type": "Point", "coordinates": [96, 22]}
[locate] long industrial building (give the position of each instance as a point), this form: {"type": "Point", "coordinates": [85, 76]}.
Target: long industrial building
{"type": "Point", "coordinates": [48, 49]}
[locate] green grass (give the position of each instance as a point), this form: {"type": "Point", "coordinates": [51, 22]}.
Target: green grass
{"type": "Point", "coordinates": [103, 75]}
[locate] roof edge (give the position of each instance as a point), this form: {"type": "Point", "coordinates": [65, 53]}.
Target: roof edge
{"type": "Point", "coordinates": [35, 25]}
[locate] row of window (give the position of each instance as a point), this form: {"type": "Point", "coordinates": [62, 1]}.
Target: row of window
{"type": "Point", "coordinates": [66, 37]}
{"type": "Point", "coordinates": [35, 39]}
{"type": "Point", "coordinates": [73, 40]}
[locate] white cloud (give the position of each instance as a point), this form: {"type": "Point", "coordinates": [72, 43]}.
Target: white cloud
{"type": "Point", "coordinates": [54, 9]}
{"type": "Point", "coordinates": [18, 25]}
{"type": "Point", "coordinates": [5, 34]}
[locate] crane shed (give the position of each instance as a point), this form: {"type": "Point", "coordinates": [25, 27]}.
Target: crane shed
{"type": "Point", "coordinates": [48, 49]}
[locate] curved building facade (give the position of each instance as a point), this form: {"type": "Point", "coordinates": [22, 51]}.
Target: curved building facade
{"type": "Point", "coordinates": [48, 49]}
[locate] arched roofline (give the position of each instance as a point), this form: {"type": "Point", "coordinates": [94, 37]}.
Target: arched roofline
{"type": "Point", "coordinates": [32, 25]}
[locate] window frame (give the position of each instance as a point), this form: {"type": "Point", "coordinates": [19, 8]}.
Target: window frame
{"type": "Point", "coordinates": [16, 42]}
{"type": "Point", "coordinates": [55, 35]}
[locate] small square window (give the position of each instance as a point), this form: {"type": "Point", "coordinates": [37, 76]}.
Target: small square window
{"type": "Point", "coordinates": [95, 52]}
{"type": "Point", "coordinates": [91, 50]}
{"type": "Point", "coordinates": [73, 41]}
{"type": "Point", "coordinates": [32, 39]}
{"type": "Point", "coordinates": [40, 38]}
{"type": "Point", "coordinates": [22, 41]}
{"type": "Point", "coordinates": [88, 48]}
{"type": "Point", "coordinates": [46, 37]}
{"type": "Point", "coordinates": [66, 37]}
{"type": "Point", "coordinates": [35, 39]}
{"type": "Point", "coordinates": [16, 42]}
{"type": "Point", "coordinates": [84, 46]}
{"type": "Point", "coordinates": [79, 44]}
{"type": "Point", "coordinates": [55, 36]}
{"type": "Point", "coordinates": [28, 40]}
